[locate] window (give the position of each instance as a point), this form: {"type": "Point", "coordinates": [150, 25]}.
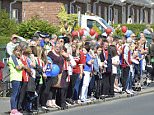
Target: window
{"type": "Point", "coordinates": [15, 14]}
{"type": "Point", "coordinates": [92, 23]}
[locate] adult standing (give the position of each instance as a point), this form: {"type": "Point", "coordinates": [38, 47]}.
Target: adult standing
{"type": "Point", "coordinates": [51, 81]}
{"type": "Point", "coordinates": [15, 78]}
{"type": "Point", "coordinates": [13, 43]}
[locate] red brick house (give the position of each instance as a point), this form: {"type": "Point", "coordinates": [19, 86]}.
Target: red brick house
{"type": "Point", "coordinates": [111, 10]}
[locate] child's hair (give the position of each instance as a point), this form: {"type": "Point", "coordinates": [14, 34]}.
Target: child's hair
{"type": "Point", "coordinates": [17, 48]}
{"type": "Point", "coordinates": [43, 56]}
{"type": "Point", "coordinates": [113, 50]}
{"type": "Point", "coordinates": [34, 50]}
{"type": "Point", "coordinates": [39, 51]}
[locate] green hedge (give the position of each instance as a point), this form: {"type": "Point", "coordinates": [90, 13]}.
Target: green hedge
{"type": "Point", "coordinates": [4, 40]}
{"type": "Point", "coordinates": [7, 26]}
{"type": "Point", "coordinates": [28, 28]}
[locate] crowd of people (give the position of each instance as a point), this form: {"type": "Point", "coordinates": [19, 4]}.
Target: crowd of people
{"type": "Point", "coordinates": [87, 70]}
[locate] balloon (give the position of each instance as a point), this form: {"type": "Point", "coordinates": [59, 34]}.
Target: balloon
{"type": "Point", "coordinates": [92, 32]}
{"type": "Point", "coordinates": [128, 33]}
{"type": "Point", "coordinates": [108, 30]}
{"type": "Point", "coordinates": [74, 33]}
{"type": "Point", "coordinates": [96, 35]}
{"type": "Point", "coordinates": [81, 32]}
{"type": "Point", "coordinates": [55, 70]}
{"type": "Point", "coordinates": [124, 29]}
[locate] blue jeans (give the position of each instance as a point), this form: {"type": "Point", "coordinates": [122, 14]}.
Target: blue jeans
{"type": "Point", "coordinates": [129, 81]}
{"type": "Point", "coordinates": [76, 88]}
{"type": "Point", "coordinates": [15, 94]}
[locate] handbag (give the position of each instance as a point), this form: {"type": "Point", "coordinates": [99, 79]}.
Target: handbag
{"type": "Point", "coordinates": [31, 86]}
{"type": "Point", "coordinates": [59, 78]}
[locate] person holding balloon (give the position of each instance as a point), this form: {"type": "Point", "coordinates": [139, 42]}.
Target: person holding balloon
{"type": "Point", "coordinates": [52, 77]}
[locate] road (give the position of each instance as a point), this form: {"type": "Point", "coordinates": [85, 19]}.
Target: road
{"type": "Point", "coordinates": [138, 105]}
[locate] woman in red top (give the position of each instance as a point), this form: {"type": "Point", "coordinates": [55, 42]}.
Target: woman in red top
{"type": "Point", "coordinates": [75, 79]}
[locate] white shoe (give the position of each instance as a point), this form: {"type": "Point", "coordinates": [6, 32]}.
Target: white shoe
{"type": "Point", "coordinates": [129, 92]}
{"type": "Point", "coordinates": [45, 108]}
{"type": "Point", "coordinates": [132, 91]}
{"type": "Point", "coordinates": [86, 101]}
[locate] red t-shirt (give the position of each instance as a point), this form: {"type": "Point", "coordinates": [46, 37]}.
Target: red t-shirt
{"type": "Point", "coordinates": [79, 60]}
{"type": "Point", "coordinates": [25, 76]}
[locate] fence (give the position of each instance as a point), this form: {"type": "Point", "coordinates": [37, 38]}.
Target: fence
{"type": "Point", "coordinates": [4, 85]}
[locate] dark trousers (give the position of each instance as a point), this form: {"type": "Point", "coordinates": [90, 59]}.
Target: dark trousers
{"type": "Point", "coordinates": [111, 82]}
{"type": "Point", "coordinates": [39, 90]}
{"type": "Point", "coordinates": [71, 85]}
{"type": "Point", "coordinates": [22, 95]}
{"type": "Point", "coordinates": [61, 97]}
{"type": "Point", "coordinates": [91, 86]}
{"type": "Point", "coordinates": [124, 76]}
{"type": "Point", "coordinates": [98, 86]}
{"type": "Point", "coordinates": [49, 90]}
{"type": "Point", "coordinates": [105, 83]}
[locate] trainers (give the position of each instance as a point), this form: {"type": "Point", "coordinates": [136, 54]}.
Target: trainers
{"type": "Point", "coordinates": [45, 108]}
{"type": "Point", "coordinates": [86, 101]}
{"type": "Point", "coordinates": [129, 92]}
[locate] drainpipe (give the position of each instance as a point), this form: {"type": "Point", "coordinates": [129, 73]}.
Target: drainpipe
{"type": "Point", "coordinates": [11, 3]}
{"type": "Point", "coordinates": [110, 12]}
{"type": "Point", "coordinates": [141, 14]}
{"type": "Point", "coordinates": [94, 6]}
{"type": "Point", "coordinates": [71, 6]}
{"type": "Point", "coordinates": [79, 15]}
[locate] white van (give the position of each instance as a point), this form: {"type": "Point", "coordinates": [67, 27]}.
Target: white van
{"type": "Point", "coordinates": [87, 22]}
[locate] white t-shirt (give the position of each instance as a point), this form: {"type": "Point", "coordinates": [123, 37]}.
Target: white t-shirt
{"type": "Point", "coordinates": [114, 67]}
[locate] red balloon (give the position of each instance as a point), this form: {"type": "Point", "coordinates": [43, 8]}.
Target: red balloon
{"type": "Point", "coordinates": [124, 29]}
{"type": "Point", "coordinates": [81, 32]}
{"type": "Point", "coordinates": [96, 35]}
{"type": "Point", "coordinates": [92, 32]}
{"type": "Point", "coordinates": [108, 31]}
{"type": "Point", "coordinates": [74, 33]}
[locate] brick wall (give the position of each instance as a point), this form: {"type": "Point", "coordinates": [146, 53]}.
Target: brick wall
{"type": "Point", "coordinates": [46, 10]}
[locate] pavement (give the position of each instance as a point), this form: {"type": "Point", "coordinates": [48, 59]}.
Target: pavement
{"type": "Point", "coordinates": [5, 101]}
